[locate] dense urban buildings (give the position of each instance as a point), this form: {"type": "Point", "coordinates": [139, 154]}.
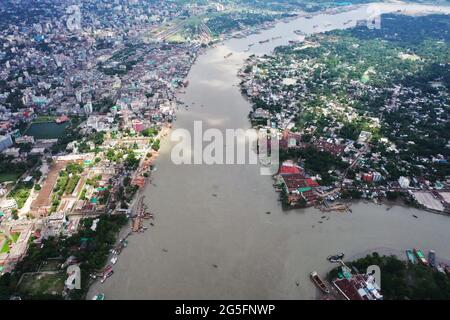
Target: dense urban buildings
{"type": "Point", "coordinates": [90, 91]}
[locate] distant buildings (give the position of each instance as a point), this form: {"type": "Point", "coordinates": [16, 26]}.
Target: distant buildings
{"type": "Point", "coordinates": [88, 108]}
{"type": "Point", "coordinates": [25, 140]}
{"type": "Point", "coordinates": [364, 137]}
{"type": "Point", "coordinates": [5, 142]}
{"type": "Point", "coordinates": [404, 182]}
{"type": "Point", "coordinates": [138, 125]}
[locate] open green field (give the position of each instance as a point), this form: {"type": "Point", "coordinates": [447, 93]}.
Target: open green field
{"type": "Point", "coordinates": [50, 265]}
{"type": "Point", "coordinates": [15, 236]}
{"type": "Point", "coordinates": [43, 118]}
{"type": "Point", "coordinates": [5, 247]}
{"type": "Point", "coordinates": [9, 176]}
{"type": "Point", "coordinates": [42, 283]}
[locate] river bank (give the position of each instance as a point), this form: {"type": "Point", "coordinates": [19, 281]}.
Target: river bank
{"type": "Point", "coordinates": [214, 239]}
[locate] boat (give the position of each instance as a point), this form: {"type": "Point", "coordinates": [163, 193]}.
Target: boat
{"type": "Point", "coordinates": [228, 55]}
{"type": "Point", "coordinates": [264, 41]}
{"type": "Point", "coordinates": [107, 275]}
{"type": "Point", "coordinates": [440, 268]}
{"type": "Point", "coordinates": [114, 260]}
{"type": "Point", "coordinates": [335, 258]}
{"type": "Point", "coordinates": [421, 257]}
{"type": "Point", "coordinates": [100, 296]}
{"type": "Point", "coordinates": [447, 269]}
{"type": "Point", "coordinates": [411, 257]}
{"type": "Point", "coordinates": [318, 282]}
{"type": "Point", "coordinates": [432, 258]}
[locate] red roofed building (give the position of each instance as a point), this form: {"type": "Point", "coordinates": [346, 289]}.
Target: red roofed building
{"type": "Point", "coordinates": [334, 149]}
{"type": "Point", "coordinates": [62, 119]}
{"type": "Point", "coordinates": [290, 170]}
{"type": "Point", "coordinates": [312, 183]}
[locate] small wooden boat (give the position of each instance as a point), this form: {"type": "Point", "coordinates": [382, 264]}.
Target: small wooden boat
{"type": "Point", "coordinates": [100, 296]}
{"type": "Point", "coordinates": [106, 276]}
{"type": "Point", "coordinates": [432, 258]}
{"type": "Point", "coordinates": [411, 257]}
{"type": "Point", "coordinates": [421, 257]}
{"type": "Point", "coordinates": [335, 258]}
{"type": "Point", "coordinates": [318, 282]}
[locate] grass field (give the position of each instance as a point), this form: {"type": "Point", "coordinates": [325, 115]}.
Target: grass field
{"type": "Point", "coordinates": [15, 236]}
{"type": "Point", "coordinates": [42, 283]}
{"type": "Point", "coordinates": [5, 247]}
{"type": "Point", "coordinates": [9, 176]}
{"type": "Point", "coordinates": [44, 119]}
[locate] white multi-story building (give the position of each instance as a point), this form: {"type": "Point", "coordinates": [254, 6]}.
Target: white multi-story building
{"type": "Point", "coordinates": [5, 142]}
{"type": "Point", "coordinates": [404, 182]}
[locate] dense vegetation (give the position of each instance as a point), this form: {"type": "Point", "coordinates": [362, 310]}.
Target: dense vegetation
{"type": "Point", "coordinates": [90, 248]}
{"type": "Point", "coordinates": [402, 280]}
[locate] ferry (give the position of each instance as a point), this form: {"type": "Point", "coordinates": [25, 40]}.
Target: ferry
{"type": "Point", "coordinates": [421, 257]}
{"type": "Point", "coordinates": [411, 257]}
{"type": "Point", "coordinates": [432, 258]}
{"type": "Point", "coordinates": [100, 296]}
{"type": "Point", "coordinates": [318, 282]}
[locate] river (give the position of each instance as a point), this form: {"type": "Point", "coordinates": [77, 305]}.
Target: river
{"type": "Point", "coordinates": [212, 222]}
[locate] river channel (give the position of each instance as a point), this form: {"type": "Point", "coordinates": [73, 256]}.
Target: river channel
{"type": "Point", "coordinates": [213, 237]}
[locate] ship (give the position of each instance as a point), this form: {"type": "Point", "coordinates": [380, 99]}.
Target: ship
{"type": "Point", "coordinates": [100, 296]}
{"type": "Point", "coordinates": [421, 257]}
{"type": "Point", "coordinates": [432, 258]}
{"type": "Point", "coordinates": [411, 257]}
{"type": "Point", "coordinates": [318, 282]}
{"type": "Point", "coordinates": [228, 55]}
